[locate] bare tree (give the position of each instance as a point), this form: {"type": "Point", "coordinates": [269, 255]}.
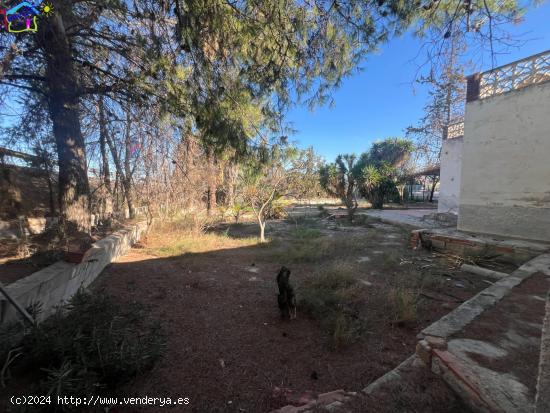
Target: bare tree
{"type": "Point", "coordinates": [269, 175]}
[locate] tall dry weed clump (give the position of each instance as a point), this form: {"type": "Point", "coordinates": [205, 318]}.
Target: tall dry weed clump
{"type": "Point", "coordinates": [335, 298]}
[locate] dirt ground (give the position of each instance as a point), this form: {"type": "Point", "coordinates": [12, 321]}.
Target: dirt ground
{"type": "Point", "coordinates": [13, 268]}
{"type": "Point", "coordinates": [227, 347]}
{"type": "Point", "coordinates": [418, 390]}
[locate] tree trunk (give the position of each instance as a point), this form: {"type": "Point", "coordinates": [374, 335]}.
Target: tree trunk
{"type": "Point", "coordinates": [377, 199]}
{"type": "Point", "coordinates": [211, 201]}
{"type": "Point", "coordinates": [63, 106]}
{"type": "Point", "coordinates": [262, 229]}
{"type": "Point", "coordinates": [107, 203]}
{"type": "Point", "coordinates": [47, 163]}
{"type": "Point", "coordinates": [231, 177]}
{"type": "Point", "coordinates": [129, 198]}
{"type": "Point", "coordinates": [116, 191]}
{"type": "Point", "coordinates": [434, 184]}
{"type": "Point", "coordinates": [351, 212]}
{"type": "Point", "coordinates": [122, 173]}
{"type": "Point", "coordinates": [424, 190]}
{"type": "Point", "coordinates": [51, 193]}
{"type": "Point", "coordinates": [401, 191]}
{"type": "Point", "coordinates": [351, 207]}
{"type": "Point", "coordinates": [127, 182]}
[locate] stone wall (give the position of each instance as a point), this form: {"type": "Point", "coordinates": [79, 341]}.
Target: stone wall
{"type": "Point", "coordinates": [451, 165]}
{"type": "Point", "coordinates": [25, 192]}
{"type": "Point", "coordinates": [505, 178]}
{"type": "Point", "coordinates": [57, 283]}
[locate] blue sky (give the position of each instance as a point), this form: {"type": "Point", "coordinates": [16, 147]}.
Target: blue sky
{"type": "Point", "coordinates": [382, 100]}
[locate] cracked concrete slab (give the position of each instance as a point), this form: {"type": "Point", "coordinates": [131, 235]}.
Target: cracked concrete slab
{"type": "Point", "coordinates": [469, 310]}
{"type": "Point", "coordinates": [493, 359]}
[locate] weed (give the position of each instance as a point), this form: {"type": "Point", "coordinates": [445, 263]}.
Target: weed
{"type": "Point", "coordinates": [301, 221]}
{"type": "Point", "coordinates": [402, 305]}
{"type": "Point", "coordinates": [189, 223]}
{"type": "Point", "coordinates": [431, 281]}
{"type": "Point", "coordinates": [390, 260]}
{"type": "Point", "coordinates": [342, 330]}
{"type": "Point", "coordinates": [314, 250]}
{"type": "Point", "coordinates": [361, 220]}
{"type": "Point", "coordinates": [333, 297]}
{"type": "Point", "coordinates": [305, 233]}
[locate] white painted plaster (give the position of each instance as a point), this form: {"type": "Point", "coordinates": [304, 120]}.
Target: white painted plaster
{"type": "Point", "coordinates": [449, 188]}
{"type": "Point", "coordinates": [505, 178]}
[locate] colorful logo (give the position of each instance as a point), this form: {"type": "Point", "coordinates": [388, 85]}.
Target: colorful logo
{"type": "Point", "coordinates": [23, 17]}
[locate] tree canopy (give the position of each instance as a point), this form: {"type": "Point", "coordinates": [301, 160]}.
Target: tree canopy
{"type": "Point", "coordinates": [379, 170]}
{"type": "Point", "coordinates": [225, 71]}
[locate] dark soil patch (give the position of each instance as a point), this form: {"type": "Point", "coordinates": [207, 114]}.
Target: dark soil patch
{"type": "Point", "coordinates": [227, 348]}
{"type": "Point", "coordinates": [15, 270]}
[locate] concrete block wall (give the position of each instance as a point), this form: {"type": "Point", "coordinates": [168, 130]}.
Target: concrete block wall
{"type": "Point", "coordinates": [56, 284]}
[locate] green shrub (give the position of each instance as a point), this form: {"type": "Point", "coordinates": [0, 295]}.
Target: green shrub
{"type": "Point", "coordinates": [238, 209]}
{"type": "Point", "coordinates": [305, 233]}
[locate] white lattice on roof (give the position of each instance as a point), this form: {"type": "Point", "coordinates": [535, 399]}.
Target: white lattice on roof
{"type": "Point", "coordinates": [455, 130]}
{"type": "Point", "coordinates": [525, 72]}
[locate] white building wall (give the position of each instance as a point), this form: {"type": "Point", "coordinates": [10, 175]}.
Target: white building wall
{"type": "Point", "coordinates": [449, 186]}
{"type": "Point", "coordinates": [505, 179]}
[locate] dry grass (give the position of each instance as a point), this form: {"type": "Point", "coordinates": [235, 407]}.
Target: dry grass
{"type": "Point", "coordinates": [187, 235]}
{"type": "Point", "coordinates": [334, 297]}
{"type": "Point", "coordinates": [305, 233]}
{"type": "Point", "coordinates": [189, 244]}
{"type": "Point", "coordinates": [402, 305]}
{"type": "Point", "coordinates": [305, 248]}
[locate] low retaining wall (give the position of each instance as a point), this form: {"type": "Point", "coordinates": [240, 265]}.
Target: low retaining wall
{"type": "Point", "coordinates": [57, 283]}
{"type": "Point", "coordinates": [513, 251]}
